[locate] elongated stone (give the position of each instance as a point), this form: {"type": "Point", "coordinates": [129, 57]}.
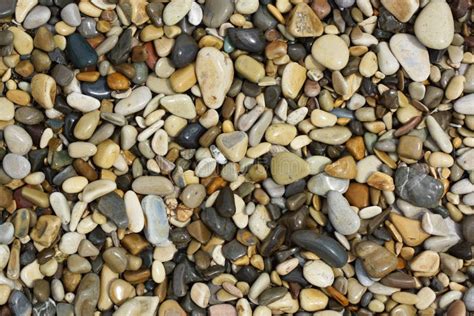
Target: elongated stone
{"type": "Point", "coordinates": [79, 51]}
{"type": "Point", "coordinates": [157, 227]}
{"type": "Point", "coordinates": [341, 215]}
{"type": "Point", "coordinates": [327, 248]}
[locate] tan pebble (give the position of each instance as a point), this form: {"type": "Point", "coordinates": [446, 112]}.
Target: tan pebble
{"type": "Point", "coordinates": [107, 153]}
{"type": "Point", "coordinates": [410, 229]}
{"type": "Point", "coordinates": [280, 134]}
{"type": "Point", "coordinates": [292, 80]}
{"type": "Point", "coordinates": [74, 184]}
{"type": "Point", "coordinates": [343, 168]}
{"type": "Point", "coordinates": [43, 90]}
{"type": "Point", "coordinates": [249, 68]}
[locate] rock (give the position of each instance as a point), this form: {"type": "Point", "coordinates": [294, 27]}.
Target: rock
{"type": "Point", "coordinates": [303, 22]}
{"type": "Point", "coordinates": [71, 15]}
{"type": "Point", "coordinates": [152, 185]}
{"type": "Point", "coordinates": [335, 135]}
{"type": "Point", "coordinates": [418, 188]}
{"type": "Point", "coordinates": [403, 10]}
{"type": "Point", "coordinates": [441, 138]}
{"type": "Point", "coordinates": [434, 224]}
{"type": "Point", "coordinates": [468, 228]}
{"type": "Point", "coordinates": [434, 26]}
{"type": "Point", "coordinates": [225, 202]}
{"type": "Point", "coordinates": [217, 12]}
{"type": "Point", "coordinates": [175, 11]}
{"type": "Point", "coordinates": [193, 195]}
{"type": "Point", "coordinates": [410, 229]}
{"type": "Point", "coordinates": [180, 105]}
{"type": "Point", "coordinates": [312, 300]}
{"type": "Point", "coordinates": [412, 55]}
{"type": "Point", "coordinates": [7, 8]}
{"type": "Point", "coordinates": [113, 207]}
{"type": "Point", "coordinates": [121, 50]}
{"type": "Point", "coordinates": [38, 16]}
{"type": "Point", "coordinates": [17, 139]}
{"type": "Point", "coordinates": [221, 226]}
{"type": "Point", "coordinates": [249, 68]}
{"type": "Point", "coordinates": [464, 105]}
{"type": "Point", "coordinates": [184, 50]}
{"type": "Point", "coordinates": [214, 72]}
{"type": "Point", "coordinates": [318, 273]}
{"type": "Point", "coordinates": [79, 51]}
{"type": "Point", "coordinates": [468, 299]}
{"type": "Point", "coordinates": [7, 109]}
{"type": "Point", "coordinates": [292, 79]}
{"type": "Point", "coordinates": [377, 260]}
{"type": "Point", "coordinates": [43, 90]}
{"type": "Point", "coordinates": [344, 168]}
{"type": "Point", "coordinates": [18, 302]}
{"type": "Point", "coordinates": [322, 183]}
{"type": "Point", "coordinates": [87, 295]}
{"type": "Point", "coordinates": [466, 160]}
{"type": "Point", "coordinates": [233, 145]}
{"type": "Point", "coordinates": [142, 305]}
{"type": "Point", "coordinates": [15, 166]}
{"type": "Point", "coordinates": [327, 248]}
{"type": "Point", "coordinates": [250, 40]}
{"type": "Point", "coordinates": [426, 263]}
{"type": "Point", "coordinates": [287, 168]}
{"type": "Point", "coordinates": [157, 226]}
{"type": "Point", "coordinates": [280, 134]}
{"type": "Point", "coordinates": [341, 215]}
{"type": "Point", "coordinates": [190, 134]}
{"type": "Point", "coordinates": [331, 52]}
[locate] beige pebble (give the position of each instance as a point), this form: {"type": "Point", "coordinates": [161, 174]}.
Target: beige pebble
{"type": "Point", "coordinates": [74, 184]}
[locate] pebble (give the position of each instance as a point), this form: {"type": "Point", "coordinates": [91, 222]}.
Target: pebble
{"type": "Point", "coordinates": [303, 22]}
{"type": "Point", "coordinates": [331, 52]}
{"type": "Point", "coordinates": [184, 50]}
{"type": "Point", "coordinates": [403, 10]}
{"type": "Point", "coordinates": [412, 55]}
{"type": "Point", "coordinates": [79, 51]}
{"type": "Point", "coordinates": [341, 215]}
{"type": "Point", "coordinates": [157, 227]}
{"type": "Point", "coordinates": [318, 273]}
{"type": "Point", "coordinates": [417, 188]}
{"type": "Point", "coordinates": [464, 105]}
{"type": "Point", "coordinates": [71, 15]}
{"type": "Point", "coordinates": [233, 145]}
{"type": "Point", "coordinates": [175, 11]}
{"type": "Point", "coordinates": [250, 40]}
{"type": "Point", "coordinates": [434, 26]}
{"type": "Point", "coordinates": [216, 12]}
{"type": "Point", "coordinates": [322, 183]}
{"type": "Point", "coordinates": [214, 72]}
{"type": "Point", "coordinates": [293, 78]}
{"type": "Point", "coordinates": [19, 303]}
{"type": "Point", "coordinates": [335, 135]}
{"type": "Point", "coordinates": [17, 139]}
{"type": "Point", "coordinates": [38, 16]}
{"type": "Point", "coordinates": [16, 166]}
{"type": "Point", "coordinates": [287, 168]}
{"type": "Point", "coordinates": [377, 260]}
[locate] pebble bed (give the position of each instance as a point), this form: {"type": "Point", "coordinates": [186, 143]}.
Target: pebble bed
{"type": "Point", "coordinates": [236, 157]}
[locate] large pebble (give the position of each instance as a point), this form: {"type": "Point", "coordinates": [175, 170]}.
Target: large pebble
{"type": "Point", "coordinates": [412, 55]}
{"type": "Point", "coordinates": [136, 102]}
{"type": "Point", "coordinates": [215, 73]}
{"type": "Point", "coordinates": [341, 215]}
{"type": "Point", "coordinates": [418, 188]}
{"type": "Point", "coordinates": [16, 166]}
{"type": "Point", "coordinates": [157, 226]}
{"type": "Point", "coordinates": [331, 52]}
{"type": "Point", "coordinates": [434, 26]}
{"type": "Point", "coordinates": [18, 140]}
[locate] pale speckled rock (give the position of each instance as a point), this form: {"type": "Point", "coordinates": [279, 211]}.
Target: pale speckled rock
{"type": "Point", "coordinates": [342, 216]}
{"type": "Point", "coordinates": [157, 226]}
{"type": "Point", "coordinates": [434, 26]}
{"type": "Point", "coordinates": [215, 73]}
{"type": "Point", "coordinates": [412, 55]}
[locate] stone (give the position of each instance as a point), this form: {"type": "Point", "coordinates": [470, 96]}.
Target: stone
{"type": "Point", "coordinates": [280, 134]}
{"type": "Point", "coordinates": [157, 226]}
{"type": "Point", "coordinates": [221, 226]}
{"type": "Point", "coordinates": [214, 72]}
{"type": "Point", "coordinates": [87, 295]}
{"type": "Point", "coordinates": [287, 168]}
{"type": "Point", "coordinates": [341, 215]}
{"type": "Point", "coordinates": [434, 26]}
{"type": "Point", "coordinates": [16, 166]}
{"type": "Point", "coordinates": [402, 10]}
{"type": "Point", "coordinates": [184, 51]}
{"type": "Point", "coordinates": [80, 52]}
{"type": "Point", "coordinates": [250, 40]}
{"type": "Point", "coordinates": [135, 102]}
{"type": "Point", "coordinates": [157, 185]}
{"type": "Point", "coordinates": [426, 262]}
{"type": "Point", "coordinates": [335, 135]}
{"type": "Point", "coordinates": [249, 68]}
{"type": "Point", "coordinates": [38, 16]}
{"type": "Point", "coordinates": [464, 105]}
{"type": "Point", "coordinates": [71, 15]}
{"type": "Point", "coordinates": [190, 134]}
{"type": "Point", "coordinates": [113, 207]}
{"type": "Point", "coordinates": [410, 147]}
{"type": "Point", "coordinates": [331, 52]}
{"type": "Point", "coordinates": [292, 79]}
{"type": "Point", "coordinates": [303, 22]}
{"type": "Point", "coordinates": [7, 109]}
{"type": "Point", "coordinates": [466, 161]}
{"type": "Point", "coordinates": [216, 12]}
{"type": "Point", "coordinates": [381, 181]}
{"type": "Point", "coordinates": [318, 273]}
{"type": "Point", "coordinates": [377, 260]}
{"type": "Point", "coordinates": [193, 195]}
{"type": "Point", "coordinates": [180, 105]}
{"type": "Point", "coordinates": [409, 229]}
{"type": "Point", "coordinates": [19, 303]}
{"type": "Point", "coordinates": [434, 224]}
{"type": "Point", "coordinates": [106, 155]}
{"type": "Point", "coordinates": [441, 138]}
{"type": "Point", "coordinates": [468, 299]}
{"type": "Point", "coordinates": [7, 8]}
{"type": "Point", "coordinates": [322, 183]}
{"type": "Point", "coordinates": [313, 300]}
{"type": "Point", "coordinates": [120, 52]}
{"type": "Point", "coordinates": [344, 168]}
{"type": "Point", "coordinates": [17, 139]}
{"type": "Point", "coordinates": [43, 90]}
{"type": "Point", "coordinates": [233, 145]}
{"type": "Point", "coordinates": [175, 11]}
{"type": "Point", "coordinates": [225, 202]}
{"type": "Point", "coordinates": [412, 55]}
{"type": "Point", "coordinates": [418, 188]}
{"type": "Point", "coordinates": [325, 247]}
